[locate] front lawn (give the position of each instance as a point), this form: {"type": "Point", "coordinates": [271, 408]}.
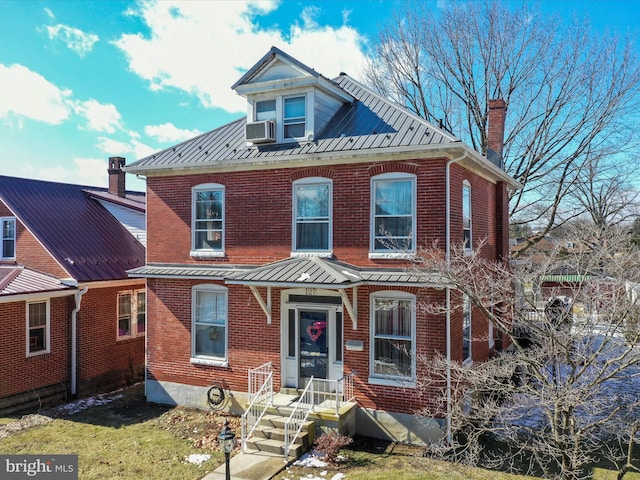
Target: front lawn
{"type": "Point", "coordinates": [120, 436]}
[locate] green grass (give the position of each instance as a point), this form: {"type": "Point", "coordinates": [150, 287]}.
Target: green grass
{"type": "Point", "coordinates": [130, 439]}
{"type": "Point", "coordinates": [125, 439]}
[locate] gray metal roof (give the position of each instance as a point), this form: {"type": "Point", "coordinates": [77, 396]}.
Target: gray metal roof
{"type": "Point", "coordinates": [370, 123]}
{"type": "Point", "coordinates": [17, 280]}
{"type": "Point", "coordinates": [210, 272]}
{"type": "Point", "coordinates": [301, 271]}
{"type": "Point", "coordinates": [295, 272]}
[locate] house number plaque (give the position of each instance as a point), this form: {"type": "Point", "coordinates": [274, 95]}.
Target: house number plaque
{"type": "Point", "coordinates": [311, 291]}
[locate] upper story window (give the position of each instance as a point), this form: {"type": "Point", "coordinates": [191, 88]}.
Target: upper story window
{"type": "Point", "coordinates": [393, 337]}
{"type": "Point", "coordinates": [466, 328]}
{"type": "Point", "coordinates": [466, 217]}
{"type": "Point", "coordinates": [312, 215]}
{"type": "Point", "coordinates": [8, 246]}
{"type": "Point", "coordinates": [265, 110]}
{"type": "Point", "coordinates": [290, 116]}
{"type": "Point", "coordinates": [132, 314]}
{"type": "Point", "coordinates": [38, 328]}
{"type": "Point", "coordinates": [209, 325]}
{"type": "Point", "coordinates": [294, 117]}
{"type": "Point", "coordinates": [208, 220]}
{"type": "Point", "coordinates": [393, 208]}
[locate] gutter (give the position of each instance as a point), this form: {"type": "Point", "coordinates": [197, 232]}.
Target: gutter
{"type": "Point", "coordinates": [74, 336]}
{"type": "Point", "coordinates": [448, 289]}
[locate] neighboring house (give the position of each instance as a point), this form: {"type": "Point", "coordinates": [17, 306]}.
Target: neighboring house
{"type": "Point", "coordinates": [285, 237]}
{"type": "Point", "coordinates": [73, 322]}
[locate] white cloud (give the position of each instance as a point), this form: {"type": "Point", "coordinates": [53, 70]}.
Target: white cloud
{"type": "Point", "coordinates": [83, 171]}
{"type": "Point", "coordinates": [74, 38]}
{"type": "Point", "coordinates": [168, 132]}
{"type": "Point", "coordinates": [202, 48]}
{"type": "Point", "coordinates": [27, 94]}
{"type": "Point", "coordinates": [48, 13]}
{"type": "Point", "coordinates": [113, 147]}
{"type": "Point", "coordinates": [102, 117]}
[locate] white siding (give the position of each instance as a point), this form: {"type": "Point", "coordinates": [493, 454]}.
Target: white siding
{"type": "Point", "coordinates": [133, 220]}
{"type": "Point", "coordinates": [326, 107]}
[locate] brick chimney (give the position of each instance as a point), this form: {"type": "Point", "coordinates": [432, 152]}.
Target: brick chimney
{"type": "Point", "coordinates": [116, 176]}
{"type": "Point", "coordinates": [495, 136]}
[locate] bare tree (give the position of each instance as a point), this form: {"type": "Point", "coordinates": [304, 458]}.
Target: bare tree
{"type": "Point", "coordinates": [606, 194]}
{"type": "Point", "coordinates": [572, 95]}
{"type": "Point", "coordinates": [566, 394]}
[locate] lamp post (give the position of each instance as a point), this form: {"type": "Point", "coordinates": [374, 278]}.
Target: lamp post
{"type": "Point", "coordinates": [226, 439]}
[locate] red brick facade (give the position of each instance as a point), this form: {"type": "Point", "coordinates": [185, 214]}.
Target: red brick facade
{"type": "Point", "coordinates": [103, 361]}
{"type": "Point", "coordinates": [258, 229]}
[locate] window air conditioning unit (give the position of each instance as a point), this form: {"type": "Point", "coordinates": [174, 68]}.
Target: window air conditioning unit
{"type": "Point", "coordinates": [261, 132]}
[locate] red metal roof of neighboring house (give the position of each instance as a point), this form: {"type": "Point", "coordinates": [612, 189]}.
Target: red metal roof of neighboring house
{"type": "Point", "coordinates": [88, 242]}
{"type": "Point", "coordinates": [16, 280]}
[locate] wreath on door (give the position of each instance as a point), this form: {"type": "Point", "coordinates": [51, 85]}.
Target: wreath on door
{"type": "Point", "coordinates": [315, 330]}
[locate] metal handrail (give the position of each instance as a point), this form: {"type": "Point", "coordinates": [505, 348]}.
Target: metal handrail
{"type": "Point", "coordinates": [334, 393]}
{"type": "Point", "coordinates": [298, 417]}
{"type": "Point", "coordinates": [259, 401]}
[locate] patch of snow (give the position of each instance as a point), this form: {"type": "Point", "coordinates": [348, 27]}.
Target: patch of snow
{"type": "Point", "coordinates": [198, 458]}
{"type": "Point", "coordinates": [80, 405]}
{"type": "Point", "coordinates": [310, 460]}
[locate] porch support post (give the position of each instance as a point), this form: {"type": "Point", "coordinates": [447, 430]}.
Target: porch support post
{"type": "Point", "coordinates": [266, 307]}
{"type": "Point", "coordinates": [353, 312]}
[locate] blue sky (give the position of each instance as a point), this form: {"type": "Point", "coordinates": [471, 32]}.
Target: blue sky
{"type": "Point", "coordinates": [82, 80]}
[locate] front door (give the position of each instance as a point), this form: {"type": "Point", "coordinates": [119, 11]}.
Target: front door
{"type": "Point", "coordinates": [311, 338]}
{"type": "Point", "coordinates": [313, 335]}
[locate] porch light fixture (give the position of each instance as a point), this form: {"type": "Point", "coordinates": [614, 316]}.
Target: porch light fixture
{"type": "Point", "coordinates": [226, 439]}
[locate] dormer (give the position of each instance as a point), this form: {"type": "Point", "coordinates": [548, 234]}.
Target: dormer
{"type": "Point", "coordinates": [286, 100]}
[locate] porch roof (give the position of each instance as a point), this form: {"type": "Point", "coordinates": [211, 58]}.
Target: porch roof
{"type": "Point", "coordinates": [308, 271]}
{"type": "Point", "coordinates": [295, 272]}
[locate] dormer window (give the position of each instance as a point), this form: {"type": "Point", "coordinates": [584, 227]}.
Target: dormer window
{"type": "Point", "coordinates": [294, 117]}
{"type": "Point", "coordinates": [280, 119]}
{"type": "Point", "coordinates": [265, 110]}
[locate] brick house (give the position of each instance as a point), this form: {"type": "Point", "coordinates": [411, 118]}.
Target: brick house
{"type": "Point", "coordinates": [281, 243]}
{"type": "Point", "coordinates": [73, 322]}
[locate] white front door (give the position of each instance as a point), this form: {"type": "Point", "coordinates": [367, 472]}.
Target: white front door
{"type": "Point", "coordinates": [312, 340]}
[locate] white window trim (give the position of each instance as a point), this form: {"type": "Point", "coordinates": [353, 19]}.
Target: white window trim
{"type": "Point", "coordinates": [294, 230]}
{"type": "Point", "coordinates": [47, 328]}
{"type": "Point", "coordinates": [467, 186]}
{"type": "Point", "coordinates": [207, 253]}
{"type": "Point", "coordinates": [393, 381]}
{"type": "Point", "coordinates": [15, 245]}
{"type": "Point", "coordinates": [309, 96]}
{"type": "Point", "coordinates": [204, 359]}
{"type": "Point", "coordinates": [467, 306]}
{"type": "Point", "coordinates": [134, 314]}
{"type": "Point", "coordinates": [392, 254]}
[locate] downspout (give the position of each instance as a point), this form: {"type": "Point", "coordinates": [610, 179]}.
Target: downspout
{"type": "Point", "coordinates": [74, 336]}
{"type": "Point", "coordinates": [448, 290]}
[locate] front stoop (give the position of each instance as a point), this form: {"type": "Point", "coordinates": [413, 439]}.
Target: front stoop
{"type": "Point", "coordinates": [268, 436]}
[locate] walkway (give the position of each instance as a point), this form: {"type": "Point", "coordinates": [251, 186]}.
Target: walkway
{"type": "Point", "coordinates": [250, 466]}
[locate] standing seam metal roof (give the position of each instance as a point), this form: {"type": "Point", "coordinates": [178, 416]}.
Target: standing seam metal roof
{"type": "Point", "coordinates": [371, 122]}
{"type": "Point", "coordinates": [82, 236]}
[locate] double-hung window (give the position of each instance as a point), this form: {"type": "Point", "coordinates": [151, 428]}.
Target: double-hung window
{"type": "Point", "coordinates": [294, 117]}
{"type": "Point", "coordinates": [466, 328]}
{"type": "Point", "coordinates": [208, 219]}
{"type": "Point", "coordinates": [265, 110]}
{"type": "Point", "coordinates": [8, 246]}
{"type": "Point", "coordinates": [393, 208]}
{"type": "Point", "coordinates": [466, 217]}
{"type": "Point", "coordinates": [393, 338]}
{"type": "Point", "coordinates": [209, 325]}
{"type": "Point", "coordinates": [312, 215]}
{"type": "Point", "coordinates": [38, 328]}
{"type": "Point", "coordinates": [132, 314]}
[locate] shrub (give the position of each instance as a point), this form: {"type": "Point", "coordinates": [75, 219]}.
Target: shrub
{"type": "Point", "coordinates": [330, 444]}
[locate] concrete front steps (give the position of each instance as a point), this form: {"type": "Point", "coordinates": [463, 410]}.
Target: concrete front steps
{"type": "Point", "coordinates": [268, 436]}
